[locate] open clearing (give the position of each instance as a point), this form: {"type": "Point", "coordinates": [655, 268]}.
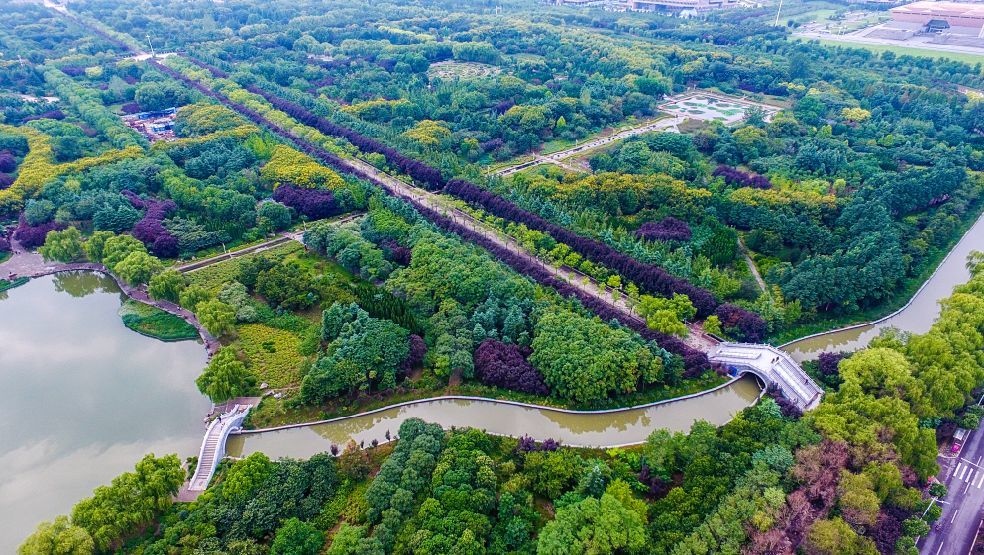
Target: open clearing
{"type": "Point", "coordinates": [713, 107]}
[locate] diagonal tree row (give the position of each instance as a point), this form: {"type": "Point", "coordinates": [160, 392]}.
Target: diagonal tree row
{"type": "Point", "coordinates": [648, 277]}
{"type": "Point", "coordinates": [695, 361]}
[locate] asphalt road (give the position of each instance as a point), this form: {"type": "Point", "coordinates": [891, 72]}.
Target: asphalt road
{"type": "Point", "coordinates": [963, 506]}
{"type": "Point", "coordinates": [856, 39]}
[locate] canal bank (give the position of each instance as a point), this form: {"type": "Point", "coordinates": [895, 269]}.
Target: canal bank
{"type": "Point", "coordinates": [916, 316]}
{"type": "Point", "coordinates": [608, 428]}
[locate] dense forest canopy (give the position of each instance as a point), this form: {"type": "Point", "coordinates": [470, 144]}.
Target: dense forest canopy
{"type": "Point", "coordinates": [837, 184]}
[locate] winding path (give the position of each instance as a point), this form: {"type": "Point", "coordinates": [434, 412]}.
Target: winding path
{"type": "Point", "coordinates": [27, 264]}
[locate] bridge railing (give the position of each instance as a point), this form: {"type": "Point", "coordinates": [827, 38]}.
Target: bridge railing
{"type": "Point", "coordinates": [220, 428]}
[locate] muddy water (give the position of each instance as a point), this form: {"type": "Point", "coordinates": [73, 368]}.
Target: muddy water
{"type": "Point", "coordinates": [594, 429]}
{"type": "Point", "coordinates": [917, 317]}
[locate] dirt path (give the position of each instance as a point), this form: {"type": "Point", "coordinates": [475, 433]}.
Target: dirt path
{"type": "Point", "coordinates": [752, 267]}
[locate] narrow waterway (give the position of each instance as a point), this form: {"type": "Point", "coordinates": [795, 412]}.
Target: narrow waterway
{"type": "Point", "coordinates": [917, 317]}
{"type": "Point", "coordinates": [84, 398]}
{"type": "Point", "coordinates": [608, 428]}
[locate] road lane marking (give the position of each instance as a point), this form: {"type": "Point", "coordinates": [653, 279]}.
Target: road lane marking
{"type": "Point", "coordinates": [961, 470]}
{"type": "Point", "coordinates": [970, 463]}
{"type": "Point", "coordinates": [969, 477]}
{"type": "Point", "coordinates": [954, 515]}
{"type": "Point", "coordinates": [967, 487]}
{"type": "Point", "coordinates": [980, 481]}
{"type": "Point", "coordinates": [940, 548]}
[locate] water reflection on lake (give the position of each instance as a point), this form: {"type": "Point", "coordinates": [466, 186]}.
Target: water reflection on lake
{"type": "Point", "coordinates": [84, 397]}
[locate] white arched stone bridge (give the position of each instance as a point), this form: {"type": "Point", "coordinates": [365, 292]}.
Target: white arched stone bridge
{"type": "Point", "coordinates": [773, 366]}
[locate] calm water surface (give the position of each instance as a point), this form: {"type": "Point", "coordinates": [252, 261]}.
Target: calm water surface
{"type": "Point", "coordinates": [84, 398]}
{"type": "Point", "coordinates": [582, 429]}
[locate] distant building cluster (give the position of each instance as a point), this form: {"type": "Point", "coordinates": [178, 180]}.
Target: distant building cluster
{"type": "Point", "coordinates": [156, 126]}
{"type": "Point", "coordinates": [940, 16]}
{"type": "Point", "coordinates": [695, 5]}
{"type": "Point", "coordinates": [651, 5]}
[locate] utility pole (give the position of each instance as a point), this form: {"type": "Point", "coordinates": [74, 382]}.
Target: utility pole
{"type": "Point", "coordinates": [777, 14]}
{"type": "Point", "coordinates": [152, 54]}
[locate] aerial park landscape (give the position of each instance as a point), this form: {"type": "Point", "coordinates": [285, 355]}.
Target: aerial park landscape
{"type": "Point", "coordinates": [337, 277]}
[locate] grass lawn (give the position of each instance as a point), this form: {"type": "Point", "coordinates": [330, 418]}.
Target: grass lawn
{"type": "Point", "coordinates": [908, 51]}
{"type": "Point", "coordinates": [215, 276]}
{"type": "Point", "coordinates": [273, 354]}
{"type": "Point", "coordinates": [154, 322]}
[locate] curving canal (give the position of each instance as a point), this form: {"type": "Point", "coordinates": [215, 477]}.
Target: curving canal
{"type": "Point", "coordinates": [915, 317]}
{"type": "Point", "coordinates": [587, 429]}
{"type": "Point", "coordinates": [84, 397]}
{"type": "Point", "coordinates": [609, 428]}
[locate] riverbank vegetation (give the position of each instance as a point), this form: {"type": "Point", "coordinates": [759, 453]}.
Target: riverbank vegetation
{"type": "Point", "coordinates": [156, 323]}
{"type": "Point", "coordinates": [848, 477]}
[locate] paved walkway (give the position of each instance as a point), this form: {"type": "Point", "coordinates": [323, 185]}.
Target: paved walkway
{"type": "Point", "coordinates": [284, 237]}
{"type": "Point", "coordinates": [751, 266]}
{"type": "Point", "coordinates": [24, 263]}
{"type": "Point", "coordinates": [558, 158]}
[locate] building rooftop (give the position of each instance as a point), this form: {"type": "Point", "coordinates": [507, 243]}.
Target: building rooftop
{"type": "Point", "coordinates": [941, 9]}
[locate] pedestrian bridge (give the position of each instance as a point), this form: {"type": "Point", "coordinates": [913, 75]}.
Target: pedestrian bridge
{"type": "Point", "coordinates": [213, 446]}
{"type": "Point", "coordinates": [773, 367]}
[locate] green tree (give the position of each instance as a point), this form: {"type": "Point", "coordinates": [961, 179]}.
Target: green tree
{"type": "Point", "coordinates": [616, 523]}
{"type": "Point", "coordinates": [272, 216]}
{"type": "Point", "coordinates": [118, 247]}
{"type": "Point", "coordinates": [353, 540]}
{"type": "Point", "coordinates": [246, 476]}
{"type": "Point", "coordinates": [835, 537]}
{"type": "Point", "coordinates": [287, 285]}
{"type": "Point", "coordinates": [58, 538]}
{"type": "Point", "coordinates": [296, 537]}
{"type": "Point", "coordinates": [192, 295]}
{"type": "Point", "coordinates": [138, 267]}
{"type": "Point", "coordinates": [667, 315]}
{"type": "Point", "coordinates": [167, 285]}
{"type": "Point", "coordinates": [585, 359]}
{"type": "Point", "coordinates": [63, 246]}
{"type": "Point", "coordinates": [225, 377]}
{"type": "Point", "coordinates": [130, 502]}
{"type": "Point", "coordinates": [96, 243]}
{"type": "Point", "coordinates": [216, 316]}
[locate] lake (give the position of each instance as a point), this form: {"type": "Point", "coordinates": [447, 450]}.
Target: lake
{"type": "Point", "coordinates": [84, 397]}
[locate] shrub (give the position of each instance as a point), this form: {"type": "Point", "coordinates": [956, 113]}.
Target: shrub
{"type": "Point", "coordinates": [33, 236]}
{"type": "Point", "coordinates": [736, 177]}
{"type": "Point", "coordinates": [668, 229]}
{"type": "Point", "coordinates": [313, 203]}
{"type": "Point", "coordinates": [503, 365]}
